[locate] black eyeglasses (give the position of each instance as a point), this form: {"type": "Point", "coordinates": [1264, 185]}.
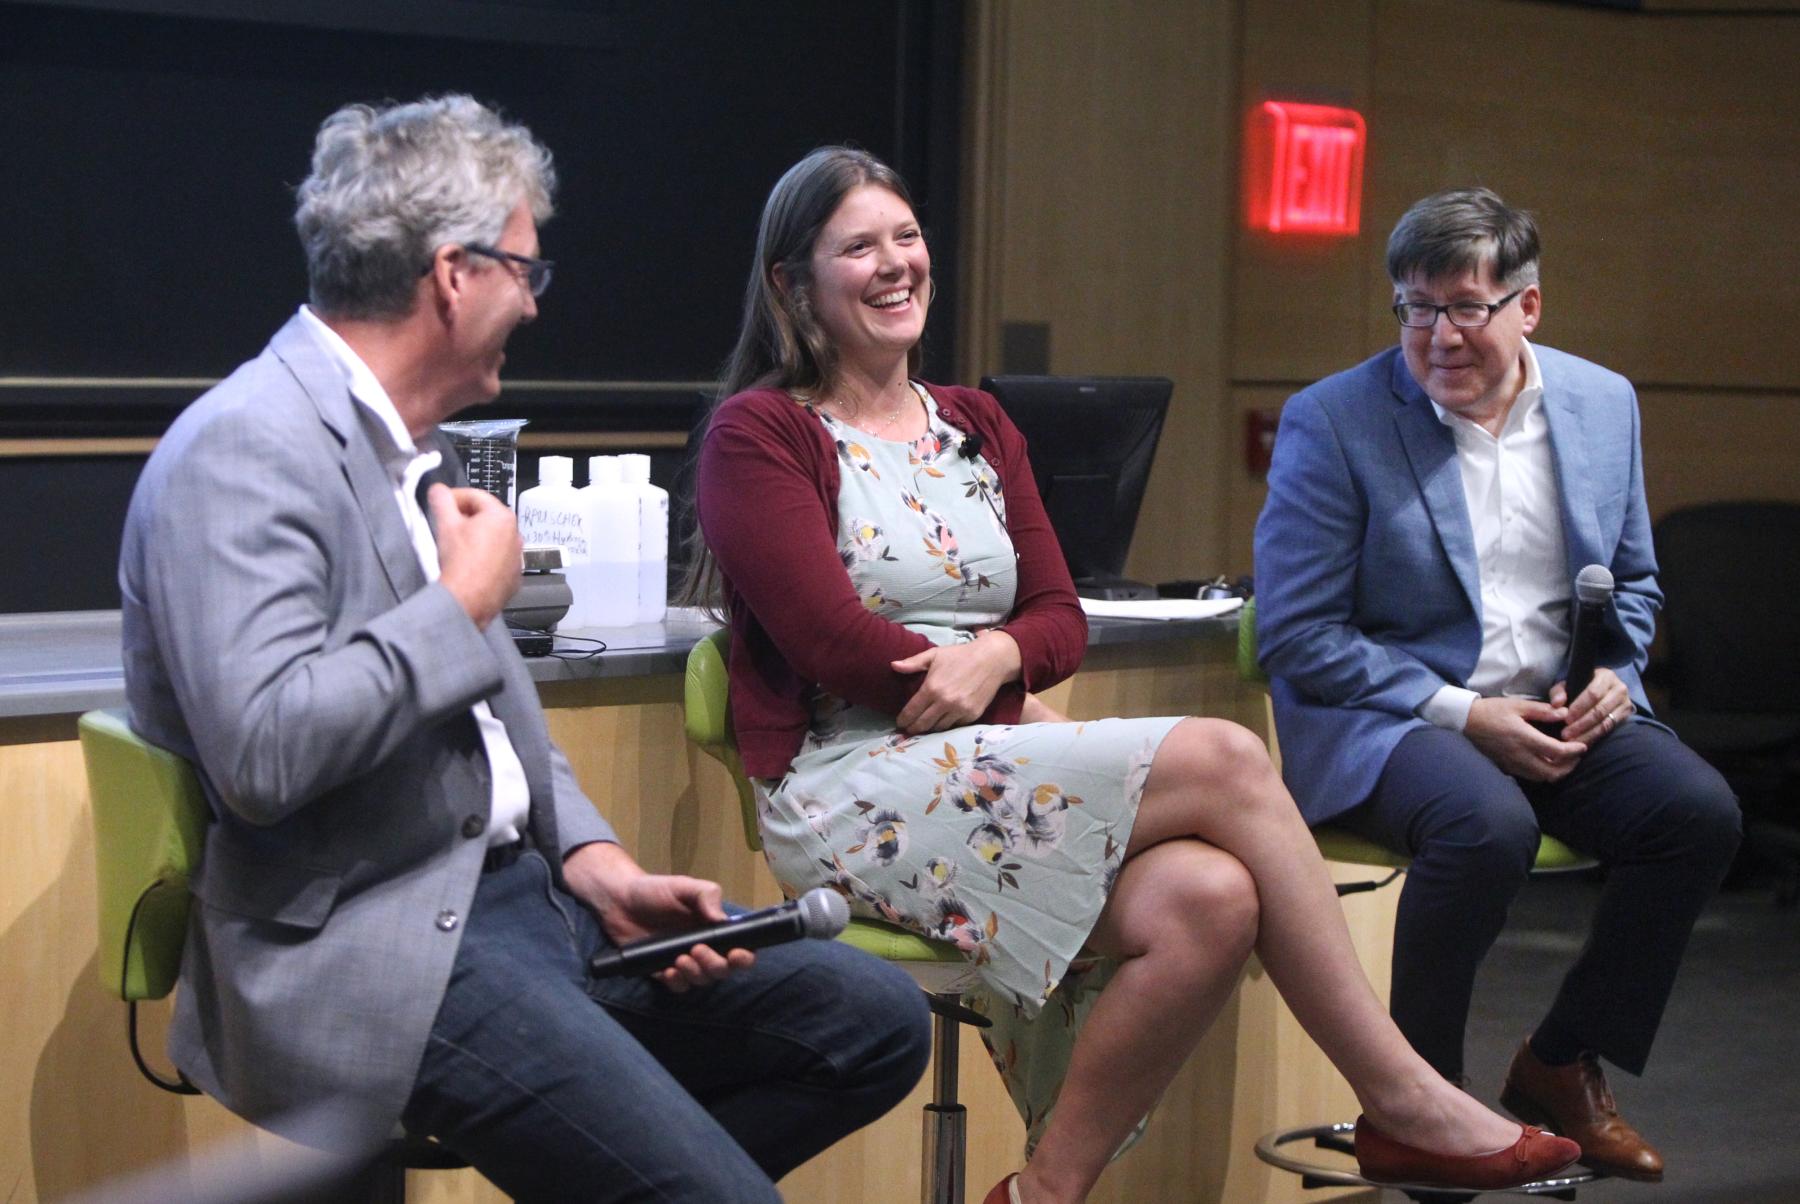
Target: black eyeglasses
{"type": "Point", "coordinates": [1466, 314]}
{"type": "Point", "coordinates": [537, 271]}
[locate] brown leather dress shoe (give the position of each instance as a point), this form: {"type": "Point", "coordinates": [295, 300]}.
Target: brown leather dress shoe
{"type": "Point", "coordinates": [1536, 1154]}
{"type": "Point", "coordinates": [1575, 1101]}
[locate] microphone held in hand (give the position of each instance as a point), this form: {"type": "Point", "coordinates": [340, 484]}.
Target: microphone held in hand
{"type": "Point", "coordinates": [819, 914]}
{"type": "Point", "coordinates": [1593, 594]}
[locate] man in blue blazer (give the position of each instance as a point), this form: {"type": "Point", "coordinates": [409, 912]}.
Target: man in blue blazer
{"type": "Point", "coordinates": [402, 881]}
{"type": "Point", "coordinates": [1428, 512]}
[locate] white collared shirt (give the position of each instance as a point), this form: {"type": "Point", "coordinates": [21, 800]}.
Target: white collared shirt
{"type": "Point", "coordinates": [510, 801]}
{"type": "Point", "coordinates": [1509, 483]}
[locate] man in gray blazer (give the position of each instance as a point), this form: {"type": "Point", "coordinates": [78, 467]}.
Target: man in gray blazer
{"type": "Point", "coordinates": [1428, 512]}
{"type": "Point", "coordinates": [403, 881]}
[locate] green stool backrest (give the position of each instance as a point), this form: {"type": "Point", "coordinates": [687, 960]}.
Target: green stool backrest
{"type": "Point", "coordinates": [707, 699]}
{"type": "Point", "coordinates": [1247, 667]}
{"type": "Point", "coordinates": [149, 821]}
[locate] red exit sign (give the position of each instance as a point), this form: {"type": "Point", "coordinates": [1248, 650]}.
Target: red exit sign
{"type": "Point", "coordinates": [1304, 168]}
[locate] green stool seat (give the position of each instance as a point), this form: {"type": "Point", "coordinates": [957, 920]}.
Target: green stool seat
{"type": "Point", "coordinates": [1336, 844]}
{"type": "Point", "coordinates": [892, 943]}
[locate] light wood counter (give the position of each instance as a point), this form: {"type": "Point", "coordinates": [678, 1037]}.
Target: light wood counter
{"type": "Point", "coordinates": [74, 1111]}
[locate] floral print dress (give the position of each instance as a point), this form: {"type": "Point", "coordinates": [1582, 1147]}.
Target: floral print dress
{"type": "Point", "coordinates": [1003, 839]}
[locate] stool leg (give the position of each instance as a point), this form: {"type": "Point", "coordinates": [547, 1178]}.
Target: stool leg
{"type": "Point", "coordinates": [945, 1121]}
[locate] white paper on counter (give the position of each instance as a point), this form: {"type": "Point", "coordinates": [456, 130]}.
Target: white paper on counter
{"type": "Point", "coordinates": [1160, 608]}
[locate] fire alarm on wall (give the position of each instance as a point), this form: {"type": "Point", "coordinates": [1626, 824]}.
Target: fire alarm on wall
{"type": "Point", "coordinates": [1259, 439]}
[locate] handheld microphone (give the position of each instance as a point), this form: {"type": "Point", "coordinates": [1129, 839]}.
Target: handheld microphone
{"type": "Point", "coordinates": [819, 914]}
{"type": "Point", "coordinates": [971, 446]}
{"type": "Point", "coordinates": [1593, 593]}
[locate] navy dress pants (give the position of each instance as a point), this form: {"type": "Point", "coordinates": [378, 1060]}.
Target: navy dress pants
{"type": "Point", "coordinates": [559, 1088]}
{"type": "Point", "coordinates": [1661, 820]}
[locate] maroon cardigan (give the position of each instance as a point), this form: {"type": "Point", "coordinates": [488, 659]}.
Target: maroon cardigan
{"type": "Point", "coordinates": [767, 502]}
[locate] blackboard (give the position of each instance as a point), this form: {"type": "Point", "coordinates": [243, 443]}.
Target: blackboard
{"type": "Point", "coordinates": [152, 147]}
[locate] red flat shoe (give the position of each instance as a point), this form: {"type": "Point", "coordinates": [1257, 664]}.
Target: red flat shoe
{"type": "Point", "coordinates": [1004, 1192]}
{"type": "Point", "coordinates": [1534, 1156]}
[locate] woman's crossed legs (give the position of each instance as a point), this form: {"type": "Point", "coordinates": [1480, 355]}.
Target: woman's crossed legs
{"type": "Point", "coordinates": [1220, 863]}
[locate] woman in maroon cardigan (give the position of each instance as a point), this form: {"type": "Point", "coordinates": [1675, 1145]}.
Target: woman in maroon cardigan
{"type": "Point", "coordinates": [895, 594]}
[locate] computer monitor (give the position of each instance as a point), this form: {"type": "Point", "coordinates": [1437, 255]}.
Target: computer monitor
{"type": "Point", "coordinates": [1091, 439]}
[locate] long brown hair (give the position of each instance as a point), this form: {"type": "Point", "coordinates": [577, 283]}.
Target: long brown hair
{"type": "Point", "coordinates": [780, 344]}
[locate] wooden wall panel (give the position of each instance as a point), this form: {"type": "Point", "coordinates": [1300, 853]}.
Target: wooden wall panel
{"type": "Point", "coordinates": [1712, 447]}
{"type": "Point", "coordinates": [1251, 488]}
{"type": "Point", "coordinates": [1293, 309]}
{"type": "Point", "coordinates": [1099, 138]}
{"type": "Point", "coordinates": [1660, 155]}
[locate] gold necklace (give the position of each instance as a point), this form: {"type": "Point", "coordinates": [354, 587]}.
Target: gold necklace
{"type": "Point", "coordinates": [855, 417]}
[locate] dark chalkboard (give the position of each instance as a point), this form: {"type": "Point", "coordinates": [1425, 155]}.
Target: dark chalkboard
{"type": "Point", "coordinates": [151, 155]}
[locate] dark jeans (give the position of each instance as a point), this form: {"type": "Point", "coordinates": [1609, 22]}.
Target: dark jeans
{"type": "Point", "coordinates": [1661, 819]}
{"type": "Point", "coordinates": [560, 1088]}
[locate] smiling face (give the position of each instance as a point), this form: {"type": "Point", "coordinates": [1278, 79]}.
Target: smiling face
{"type": "Point", "coordinates": [1475, 372]}
{"type": "Point", "coordinates": [493, 301]}
{"type": "Point", "coordinates": [871, 277]}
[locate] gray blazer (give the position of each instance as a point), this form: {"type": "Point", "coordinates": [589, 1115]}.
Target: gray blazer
{"type": "Point", "coordinates": [279, 633]}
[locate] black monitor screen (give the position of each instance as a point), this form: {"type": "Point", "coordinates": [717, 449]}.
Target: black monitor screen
{"type": "Point", "coordinates": [1091, 439]}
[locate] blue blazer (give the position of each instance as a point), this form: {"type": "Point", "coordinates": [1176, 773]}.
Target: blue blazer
{"type": "Point", "coordinates": [1368, 599]}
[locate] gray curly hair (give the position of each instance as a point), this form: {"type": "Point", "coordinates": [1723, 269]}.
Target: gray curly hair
{"type": "Point", "coordinates": [392, 184]}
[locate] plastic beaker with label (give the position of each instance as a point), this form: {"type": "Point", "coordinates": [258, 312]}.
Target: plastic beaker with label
{"type": "Point", "coordinates": [489, 451]}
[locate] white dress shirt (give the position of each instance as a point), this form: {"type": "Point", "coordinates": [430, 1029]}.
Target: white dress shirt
{"type": "Point", "coordinates": [510, 803]}
{"type": "Point", "coordinates": [1509, 483]}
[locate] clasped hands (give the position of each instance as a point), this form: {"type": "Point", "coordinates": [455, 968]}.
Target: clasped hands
{"type": "Point", "coordinates": [1504, 728]}
{"type": "Point", "coordinates": [960, 681]}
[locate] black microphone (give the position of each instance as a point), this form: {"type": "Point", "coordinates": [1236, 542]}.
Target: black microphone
{"type": "Point", "coordinates": [1593, 593]}
{"type": "Point", "coordinates": [437, 476]}
{"type": "Point", "coordinates": [820, 914]}
{"type": "Point", "coordinates": [971, 446]}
